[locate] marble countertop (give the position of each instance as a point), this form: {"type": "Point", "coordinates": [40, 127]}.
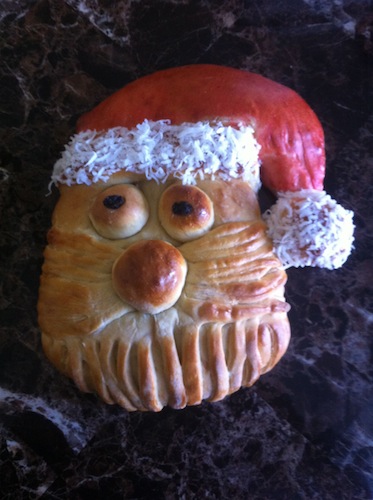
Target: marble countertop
{"type": "Point", "coordinates": [305, 430]}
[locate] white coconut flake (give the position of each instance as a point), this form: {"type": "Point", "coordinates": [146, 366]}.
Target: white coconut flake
{"type": "Point", "coordinates": [158, 150]}
{"type": "Point", "coordinates": [309, 228]}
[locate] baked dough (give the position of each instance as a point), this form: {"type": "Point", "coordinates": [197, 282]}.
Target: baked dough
{"type": "Point", "coordinates": [119, 212]}
{"type": "Point", "coordinates": [186, 212]}
{"type": "Point", "coordinates": [160, 285]}
{"type": "Point", "coordinates": [216, 325]}
{"type": "Point", "coordinates": [150, 275]}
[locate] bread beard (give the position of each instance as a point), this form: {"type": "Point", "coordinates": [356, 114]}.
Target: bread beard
{"type": "Point", "coordinates": [218, 327]}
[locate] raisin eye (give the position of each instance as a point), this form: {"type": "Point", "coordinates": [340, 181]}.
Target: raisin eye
{"type": "Point", "coordinates": [182, 208]}
{"type": "Point", "coordinates": [119, 211]}
{"type": "Point", "coordinates": [185, 212]}
{"type": "Point", "coordinates": [114, 201]}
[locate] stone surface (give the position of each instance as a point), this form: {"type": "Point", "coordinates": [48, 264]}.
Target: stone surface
{"type": "Point", "coordinates": [305, 430]}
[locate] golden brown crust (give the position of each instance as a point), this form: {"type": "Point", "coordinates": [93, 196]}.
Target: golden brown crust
{"type": "Point", "coordinates": [150, 275]}
{"type": "Point", "coordinates": [186, 212]}
{"type": "Point", "coordinates": [227, 327]}
{"type": "Point", "coordinates": [233, 201]}
{"type": "Point", "coordinates": [195, 363]}
{"type": "Point", "coordinates": [119, 211]}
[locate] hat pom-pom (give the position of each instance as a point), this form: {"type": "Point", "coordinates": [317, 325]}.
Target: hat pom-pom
{"type": "Point", "coordinates": [309, 228]}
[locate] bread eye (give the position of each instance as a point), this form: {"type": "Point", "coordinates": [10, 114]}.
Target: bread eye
{"type": "Point", "coordinates": [119, 211]}
{"type": "Point", "coordinates": [185, 212]}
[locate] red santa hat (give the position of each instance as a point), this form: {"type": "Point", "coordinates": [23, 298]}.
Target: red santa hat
{"type": "Point", "coordinates": [205, 120]}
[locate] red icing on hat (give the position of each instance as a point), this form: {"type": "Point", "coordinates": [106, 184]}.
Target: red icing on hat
{"type": "Point", "coordinates": [290, 134]}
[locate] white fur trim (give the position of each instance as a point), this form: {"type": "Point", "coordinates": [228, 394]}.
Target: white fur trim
{"type": "Point", "coordinates": [309, 228]}
{"type": "Point", "coordinates": [161, 150]}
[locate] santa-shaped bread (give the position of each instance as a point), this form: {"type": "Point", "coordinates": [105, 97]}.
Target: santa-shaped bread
{"type": "Point", "coordinates": [162, 284]}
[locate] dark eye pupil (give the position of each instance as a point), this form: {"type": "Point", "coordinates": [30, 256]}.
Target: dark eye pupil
{"type": "Point", "coordinates": [114, 201]}
{"type": "Point", "coordinates": [182, 208]}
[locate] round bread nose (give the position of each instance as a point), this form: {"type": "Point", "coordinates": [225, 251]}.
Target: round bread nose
{"type": "Point", "coordinates": [150, 275]}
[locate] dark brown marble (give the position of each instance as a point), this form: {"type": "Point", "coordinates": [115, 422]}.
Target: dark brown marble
{"type": "Point", "coordinates": [305, 430]}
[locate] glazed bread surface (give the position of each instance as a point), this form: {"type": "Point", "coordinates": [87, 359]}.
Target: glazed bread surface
{"type": "Point", "coordinates": [213, 320]}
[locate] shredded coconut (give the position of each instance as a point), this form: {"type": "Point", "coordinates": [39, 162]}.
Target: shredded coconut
{"type": "Point", "coordinates": [159, 150]}
{"type": "Point", "coordinates": [309, 228]}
